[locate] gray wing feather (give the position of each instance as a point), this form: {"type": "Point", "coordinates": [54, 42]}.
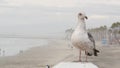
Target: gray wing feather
{"type": "Point", "coordinates": [91, 38]}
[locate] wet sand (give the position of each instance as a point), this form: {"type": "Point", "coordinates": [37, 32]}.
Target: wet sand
{"type": "Point", "coordinates": [57, 51]}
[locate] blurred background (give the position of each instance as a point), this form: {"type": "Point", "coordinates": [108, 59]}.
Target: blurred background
{"type": "Point", "coordinates": [36, 33]}
{"type": "Point", "coordinates": [47, 17]}
{"type": "Point", "coordinates": [56, 19]}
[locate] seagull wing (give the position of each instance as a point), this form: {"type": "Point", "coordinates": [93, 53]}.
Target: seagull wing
{"type": "Point", "coordinates": [92, 40]}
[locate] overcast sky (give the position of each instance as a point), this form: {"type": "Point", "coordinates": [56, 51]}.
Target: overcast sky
{"type": "Point", "coordinates": [37, 17]}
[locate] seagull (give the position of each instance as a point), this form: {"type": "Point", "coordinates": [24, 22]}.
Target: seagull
{"type": "Point", "coordinates": [82, 39]}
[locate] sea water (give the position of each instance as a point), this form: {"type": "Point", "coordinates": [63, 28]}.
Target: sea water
{"type": "Point", "coordinates": [13, 46]}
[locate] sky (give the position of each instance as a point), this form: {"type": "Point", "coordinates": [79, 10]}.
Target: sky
{"type": "Point", "coordinates": [37, 17]}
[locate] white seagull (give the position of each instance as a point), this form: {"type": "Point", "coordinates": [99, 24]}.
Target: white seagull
{"type": "Point", "coordinates": [82, 39]}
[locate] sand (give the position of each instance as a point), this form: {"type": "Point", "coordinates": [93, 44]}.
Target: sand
{"type": "Point", "coordinates": [57, 50]}
{"type": "Point", "coordinates": [38, 57]}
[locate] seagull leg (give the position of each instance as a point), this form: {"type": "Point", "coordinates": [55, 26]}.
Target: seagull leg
{"type": "Point", "coordinates": [80, 56]}
{"type": "Point", "coordinates": [86, 55]}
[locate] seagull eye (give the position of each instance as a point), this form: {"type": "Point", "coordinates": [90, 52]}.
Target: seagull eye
{"type": "Point", "coordinates": [80, 14]}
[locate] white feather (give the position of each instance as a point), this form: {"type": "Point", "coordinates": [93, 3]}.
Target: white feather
{"type": "Point", "coordinates": [80, 38]}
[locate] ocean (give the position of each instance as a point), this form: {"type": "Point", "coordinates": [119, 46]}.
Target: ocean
{"type": "Point", "coordinates": [13, 46]}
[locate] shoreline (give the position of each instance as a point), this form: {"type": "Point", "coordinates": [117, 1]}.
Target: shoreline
{"type": "Point", "coordinates": [14, 46]}
{"type": "Point", "coordinates": [37, 57]}
{"type": "Point", "coordinates": [58, 51]}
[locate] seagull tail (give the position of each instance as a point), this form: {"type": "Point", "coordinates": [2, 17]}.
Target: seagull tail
{"type": "Point", "coordinates": [96, 52]}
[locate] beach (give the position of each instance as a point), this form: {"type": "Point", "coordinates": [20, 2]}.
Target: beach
{"type": "Point", "coordinates": [38, 57]}
{"type": "Point", "coordinates": [58, 50]}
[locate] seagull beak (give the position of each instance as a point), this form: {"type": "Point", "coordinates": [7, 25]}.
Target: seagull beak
{"type": "Point", "coordinates": [86, 17]}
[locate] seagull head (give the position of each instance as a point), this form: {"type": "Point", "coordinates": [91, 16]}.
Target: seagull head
{"type": "Point", "coordinates": [82, 16]}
